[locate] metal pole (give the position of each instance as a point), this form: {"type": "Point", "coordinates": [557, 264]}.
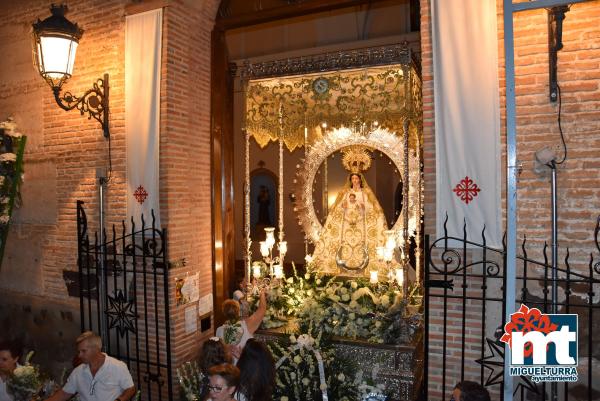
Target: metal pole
{"type": "Point", "coordinates": [102, 277]}
{"type": "Point", "coordinates": [511, 156]}
{"type": "Point", "coordinates": [511, 186]}
{"type": "Point", "coordinates": [552, 165]}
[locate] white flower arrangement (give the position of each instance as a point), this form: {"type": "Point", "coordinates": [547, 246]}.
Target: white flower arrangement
{"type": "Point", "coordinates": [191, 380]}
{"type": "Point", "coordinates": [232, 333]}
{"type": "Point", "coordinates": [8, 157]}
{"type": "Point", "coordinates": [25, 381]}
{"type": "Point", "coordinates": [308, 369]}
{"type": "Point", "coordinates": [353, 309]}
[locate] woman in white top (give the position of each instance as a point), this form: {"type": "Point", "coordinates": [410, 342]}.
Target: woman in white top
{"type": "Point", "coordinates": [9, 355]}
{"type": "Point", "coordinates": [236, 332]}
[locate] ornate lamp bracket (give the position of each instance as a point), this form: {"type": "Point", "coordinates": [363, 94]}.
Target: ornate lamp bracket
{"type": "Point", "coordinates": [94, 102]}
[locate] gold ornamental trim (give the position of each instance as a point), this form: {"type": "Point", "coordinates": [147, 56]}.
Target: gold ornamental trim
{"type": "Point", "coordinates": [383, 96]}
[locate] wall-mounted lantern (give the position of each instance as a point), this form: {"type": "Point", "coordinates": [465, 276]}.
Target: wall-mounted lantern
{"type": "Point", "coordinates": [54, 48]}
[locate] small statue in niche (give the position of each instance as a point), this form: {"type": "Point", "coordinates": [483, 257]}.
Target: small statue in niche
{"type": "Point", "coordinates": [264, 200]}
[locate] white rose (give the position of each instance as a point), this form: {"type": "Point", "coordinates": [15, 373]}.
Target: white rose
{"type": "Point", "coordinates": [284, 398]}
{"type": "Point", "coordinates": [318, 281]}
{"type": "Point", "coordinates": [353, 304]}
{"type": "Point", "coordinates": [307, 276]}
{"type": "Point", "coordinates": [341, 377]}
{"type": "Point", "coordinates": [385, 300]}
{"type": "Point", "coordinates": [378, 324]}
{"type": "Point", "coordinates": [345, 297]}
{"type": "Point", "coordinates": [293, 338]}
{"type": "Point", "coordinates": [297, 359]}
{"type": "Point", "coordinates": [305, 381]}
{"type": "Point", "coordinates": [351, 316]}
{"type": "Point", "coordinates": [354, 285]}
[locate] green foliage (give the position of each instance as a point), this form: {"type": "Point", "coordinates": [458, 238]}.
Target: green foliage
{"type": "Point", "coordinates": [12, 147]}
{"type": "Point", "coordinates": [353, 309]}
{"type": "Point", "coordinates": [191, 380]}
{"type": "Point", "coordinates": [298, 376]}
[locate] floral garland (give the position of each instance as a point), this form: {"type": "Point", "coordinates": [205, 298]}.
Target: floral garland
{"type": "Point", "coordinates": [353, 309]}
{"type": "Point", "coordinates": [12, 146]}
{"type": "Point", "coordinates": [308, 370]}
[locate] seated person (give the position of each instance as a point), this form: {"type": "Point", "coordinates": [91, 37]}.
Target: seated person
{"type": "Point", "coordinates": [99, 377]}
{"type": "Point", "coordinates": [10, 353]}
{"type": "Point", "coordinates": [223, 382]}
{"type": "Point", "coordinates": [236, 332]}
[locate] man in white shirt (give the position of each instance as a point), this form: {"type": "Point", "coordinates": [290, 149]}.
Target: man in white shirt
{"type": "Point", "coordinates": [99, 378]}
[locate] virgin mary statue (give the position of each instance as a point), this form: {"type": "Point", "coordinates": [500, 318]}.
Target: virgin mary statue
{"type": "Point", "coordinates": [354, 226]}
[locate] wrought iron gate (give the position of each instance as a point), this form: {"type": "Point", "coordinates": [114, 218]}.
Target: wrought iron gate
{"type": "Point", "coordinates": [124, 292]}
{"type": "Point", "coordinates": [464, 316]}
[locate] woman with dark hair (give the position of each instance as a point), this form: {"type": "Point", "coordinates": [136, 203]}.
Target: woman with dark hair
{"type": "Point", "coordinates": [236, 332]}
{"type": "Point", "coordinates": [470, 391]}
{"type": "Point", "coordinates": [257, 372]}
{"type": "Point", "coordinates": [10, 353]}
{"type": "Point", "coordinates": [213, 352]}
{"type": "Point", "coordinates": [223, 382]}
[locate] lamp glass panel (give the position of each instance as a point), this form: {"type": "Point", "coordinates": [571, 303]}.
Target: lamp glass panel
{"type": "Point", "coordinates": [58, 56]}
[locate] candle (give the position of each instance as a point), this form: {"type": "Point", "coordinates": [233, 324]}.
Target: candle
{"type": "Point", "coordinates": [282, 248]}
{"type": "Point", "coordinates": [400, 276]}
{"type": "Point", "coordinates": [264, 249]}
{"type": "Point", "coordinates": [278, 269]}
{"type": "Point", "coordinates": [388, 254]}
{"type": "Point", "coordinates": [374, 279]}
{"type": "Point", "coordinates": [270, 239]}
{"type": "Point", "coordinates": [256, 271]}
{"type": "Point", "coordinates": [390, 241]}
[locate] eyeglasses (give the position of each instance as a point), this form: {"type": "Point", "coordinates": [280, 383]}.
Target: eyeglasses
{"type": "Point", "coordinates": [216, 389]}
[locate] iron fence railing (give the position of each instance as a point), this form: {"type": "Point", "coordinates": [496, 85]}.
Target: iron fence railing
{"type": "Point", "coordinates": [465, 284]}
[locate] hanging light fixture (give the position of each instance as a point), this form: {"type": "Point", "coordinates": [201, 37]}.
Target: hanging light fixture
{"type": "Point", "coordinates": [54, 48]}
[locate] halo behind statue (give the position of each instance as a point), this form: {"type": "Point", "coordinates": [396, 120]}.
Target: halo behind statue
{"type": "Point", "coordinates": [355, 149]}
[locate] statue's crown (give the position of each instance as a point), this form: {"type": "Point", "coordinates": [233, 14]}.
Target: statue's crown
{"type": "Point", "coordinates": [356, 159]}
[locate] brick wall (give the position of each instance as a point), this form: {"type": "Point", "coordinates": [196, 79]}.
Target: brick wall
{"type": "Point", "coordinates": [185, 154]}
{"type": "Point", "coordinates": [64, 151]}
{"type": "Point", "coordinates": [578, 177]}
